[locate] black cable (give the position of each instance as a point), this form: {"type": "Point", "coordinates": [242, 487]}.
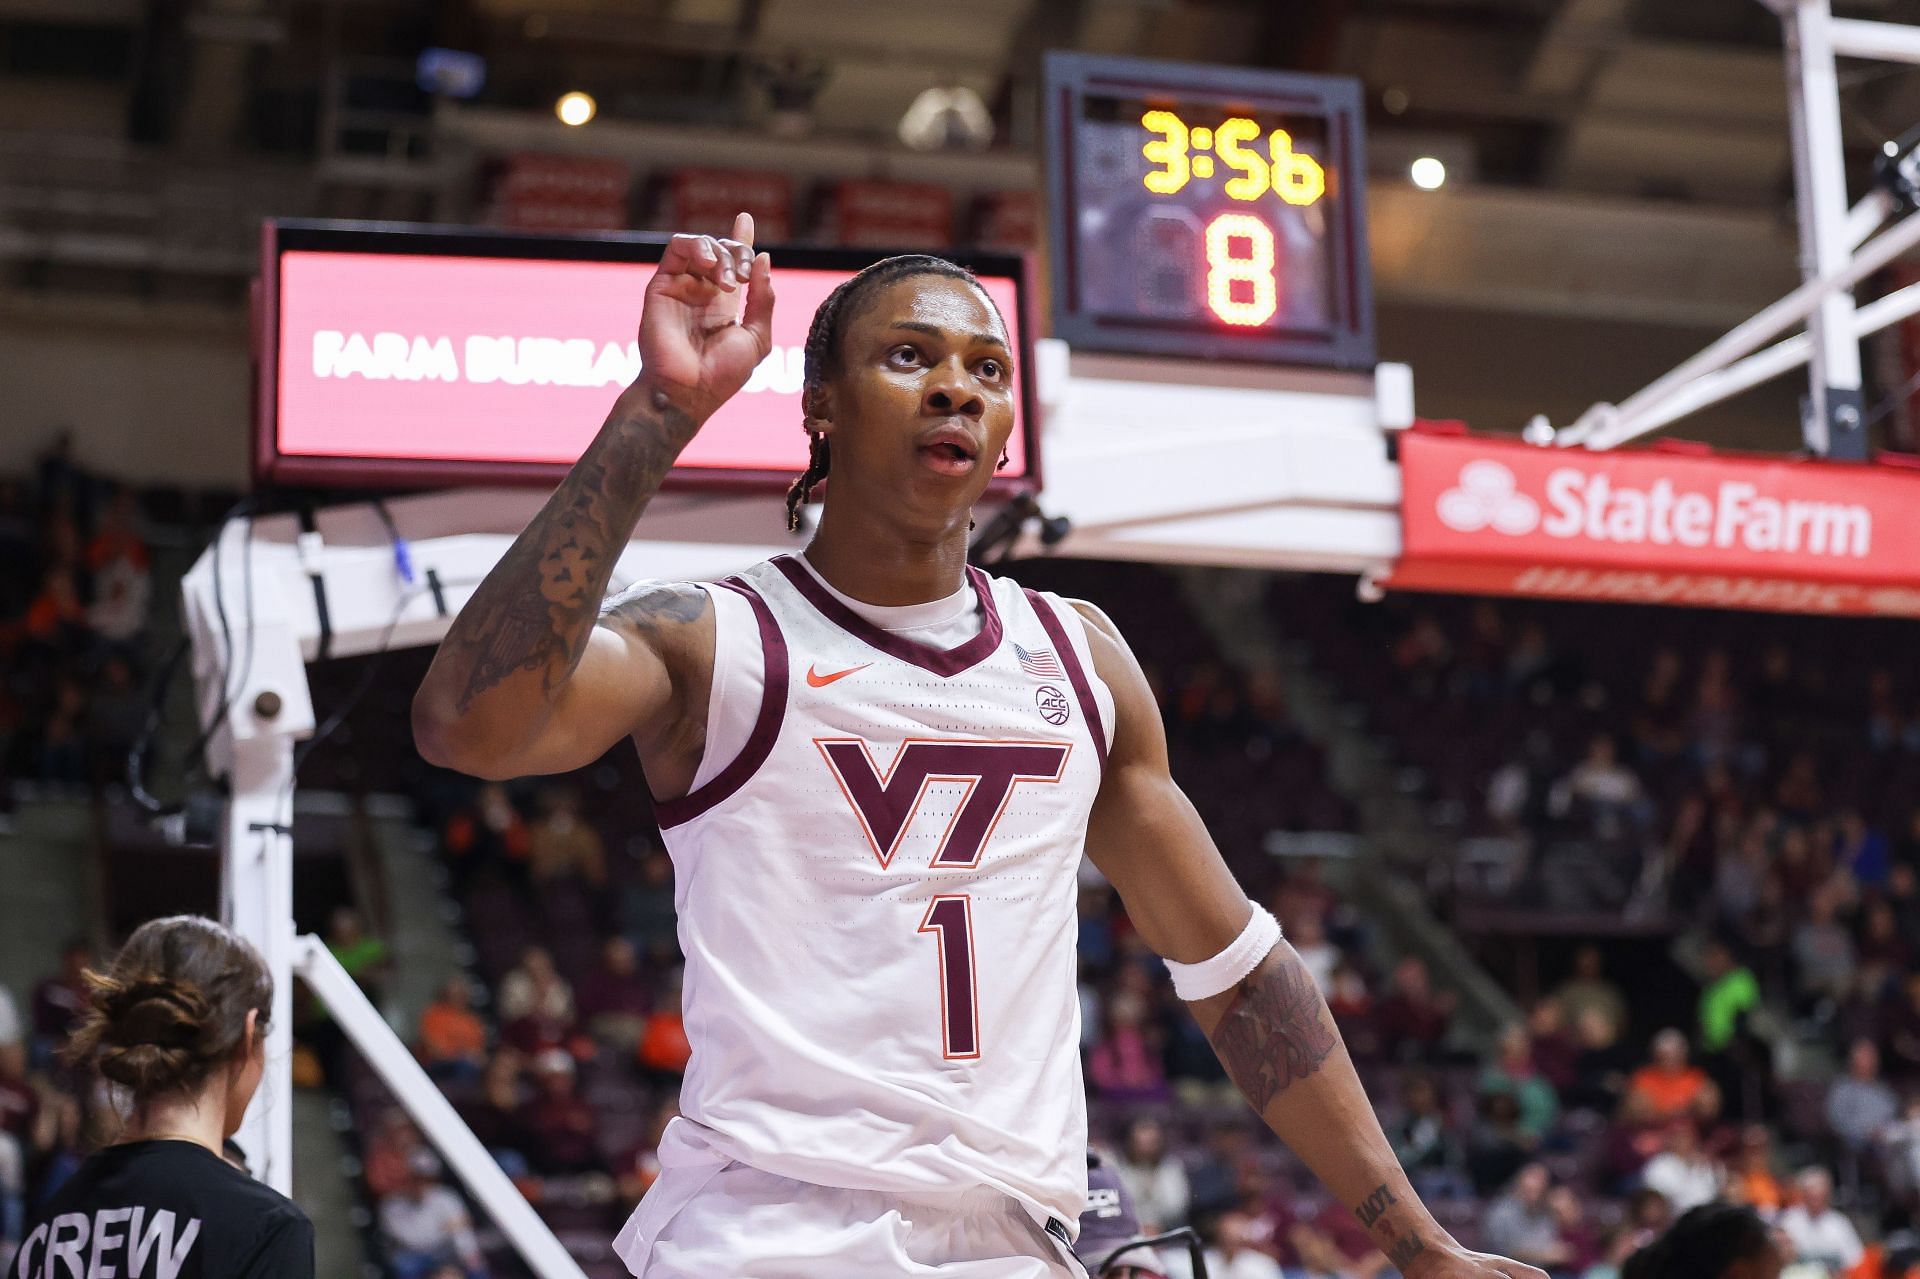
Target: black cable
{"type": "Point", "coordinates": [361, 688]}
{"type": "Point", "coordinates": [230, 692]}
{"type": "Point", "coordinates": [230, 689]}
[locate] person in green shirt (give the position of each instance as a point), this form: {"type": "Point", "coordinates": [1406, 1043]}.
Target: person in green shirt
{"type": "Point", "coordinates": [1730, 991]}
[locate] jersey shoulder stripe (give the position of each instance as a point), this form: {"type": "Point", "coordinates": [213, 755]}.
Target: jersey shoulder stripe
{"type": "Point", "coordinates": [766, 727]}
{"type": "Point", "coordinates": [1076, 673]}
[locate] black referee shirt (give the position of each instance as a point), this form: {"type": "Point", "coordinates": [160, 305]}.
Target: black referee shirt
{"type": "Point", "coordinates": [165, 1210]}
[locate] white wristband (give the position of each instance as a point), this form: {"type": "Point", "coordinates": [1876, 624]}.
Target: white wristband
{"type": "Point", "coordinates": [1227, 969]}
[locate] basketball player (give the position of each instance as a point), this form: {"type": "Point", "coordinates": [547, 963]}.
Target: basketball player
{"type": "Point", "coordinates": [875, 769]}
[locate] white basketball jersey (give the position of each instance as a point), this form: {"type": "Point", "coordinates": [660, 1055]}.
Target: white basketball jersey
{"type": "Point", "coordinates": [877, 898]}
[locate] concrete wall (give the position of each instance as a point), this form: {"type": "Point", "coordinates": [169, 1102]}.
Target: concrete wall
{"type": "Point", "coordinates": [157, 394]}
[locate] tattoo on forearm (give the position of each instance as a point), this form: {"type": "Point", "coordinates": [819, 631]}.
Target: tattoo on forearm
{"type": "Point", "coordinates": [1275, 1031]}
{"type": "Point", "coordinates": [1405, 1251]}
{"type": "Point", "coordinates": [537, 607]}
{"type": "Point", "coordinates": [1374, 1204]}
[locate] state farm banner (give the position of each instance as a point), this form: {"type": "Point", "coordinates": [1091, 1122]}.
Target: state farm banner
{"type": "Point", "coordinates": [1490, 516]}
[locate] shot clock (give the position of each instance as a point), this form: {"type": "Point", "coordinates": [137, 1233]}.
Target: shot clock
{"type": "Point", "coordinates": [1210, 212]}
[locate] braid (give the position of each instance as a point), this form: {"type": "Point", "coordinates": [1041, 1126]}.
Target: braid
{"type": "Point", "coordinates": [823, 350]}
{"type": "Point", "coordinates": [802, 488]}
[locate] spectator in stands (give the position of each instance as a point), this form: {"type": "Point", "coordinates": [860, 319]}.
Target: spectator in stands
{"type": "Point", "coordinates": [121, 569]}
{"type": "Point", "coordinates": [1669, 1089]}
{"type": "Point", "coordinates": [62, 755]}
{"type": "Point", "coordinates": [1352, 1007]}
{"type": "Point", "coordinates": [1125, 1064]}
{"type": "Point", "coordinates": [1881, 942]}
{"type": "Point", "coordinates": [1900, 1150]}
{"type": "Point", "coordinates": [59, 1001]}
{"type": "Point", "coordinates": [390, 1150]}
{"type": "Point", "coordinates": [1684, 1173]}
{"type": "Point", "coordinates": [1860, 1105]}
{"type": "Point", "coordinates": [1234, 1251]}
{"type": "Point", "coordinates": [1823, 955]}
{"type": "Point", "coordinates": [1590, 989]}
{"type": "Point", "coordinates": [1860, 850]}
{"type": "Point", "coordinates": [1553, 1046]}
{"type": "Point", "coordinates": [664, 1050]}
{"type": "Point", "coordinates": [1902, 1029]}
{"type": "Point", "coordinates": [363, 955]}
{"type": "Point", "coordinates": [1156, 1181]}
{"type": "Point", "coordinates": [1499, 1144]}
{"type": "Point", "coordinates": [535, 989]}
{"type": "Point", "coordinates": [1751, 1179]}
{"type": "Point", "coordinates": [613, 997]}
{"type": "Point", "coordinates": [1604, 789]}
{"type": "Point", "coordinates": [1715, 721]}
{"type": "Point", "coordinates": [1515, 1073]}
{"type": "Point", "coordinates": [489, 833]}
{"type": "Point", "coordinates": [453, 1041]}
{"type": "Point", "coordinates": [1729, 993]}
{"type": "Point", "coordinates": [1308, 933]}
{"type": "Point", "coordinates": [1413, 1018]}
{"type": "Point", "coordinates": [561, 1127]}
{"type": "Point", "coordinates": [1423, 1141]}
{"type": "Point", "coordinates": [1520, 1224]}
{"type": "Point", "coordinates": [426, 1226]}
{"type": "Point", "coordinates": [1577, 1231]}
{"type": "Point", "coordinates": [1820, 1233]}
{"type": "Point", "coordinates": [561, 847]}
{"type": "Point", "coordinates": [646, 913]}
{"type": "Point", "coordinates": [498, 1115]}
{"type": "Point", "coordinates": [1601, 1067]}
{"type": "Point", "coordinates": [1659, 723]}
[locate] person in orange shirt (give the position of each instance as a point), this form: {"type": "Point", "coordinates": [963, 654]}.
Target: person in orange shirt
{"type": "Point", "coordinates": [1750, 1178]}
{"type": "Point", "coordinates": [453, 1042]}
{"type": "Point", "coordinates": [1670, 1088]}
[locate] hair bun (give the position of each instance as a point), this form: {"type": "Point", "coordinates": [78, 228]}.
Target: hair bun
{"type": "Point", "coordinates": [154, 1032]}
{"type": "Point", "coordinates": [149, 1068]}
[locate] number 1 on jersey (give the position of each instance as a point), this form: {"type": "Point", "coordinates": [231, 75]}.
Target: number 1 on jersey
{"type": "Point", "coordinates": [951, 917]}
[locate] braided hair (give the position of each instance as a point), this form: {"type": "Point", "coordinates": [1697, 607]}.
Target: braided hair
{"type": "Point", "coordinates": [823, 350]}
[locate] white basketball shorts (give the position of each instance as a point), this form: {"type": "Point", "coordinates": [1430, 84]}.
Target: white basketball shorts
{"type": "Point", "coordinates": [710, 1216]}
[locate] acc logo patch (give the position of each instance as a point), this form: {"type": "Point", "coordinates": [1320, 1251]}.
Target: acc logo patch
{"type": "Point", "coordinates": [1053, 704]}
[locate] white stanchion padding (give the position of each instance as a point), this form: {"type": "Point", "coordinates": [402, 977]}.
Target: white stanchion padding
{"type": "Point", "coordinates": [1230, 967]}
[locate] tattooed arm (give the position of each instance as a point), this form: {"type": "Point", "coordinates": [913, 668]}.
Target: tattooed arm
{"type": "Point", "coordinates": [539, 673]}
{"type": "Point", "coordinates": [1272, 1031]}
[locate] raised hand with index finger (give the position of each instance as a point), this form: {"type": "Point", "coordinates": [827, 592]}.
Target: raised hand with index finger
{"type": "Point", "coordinates": [708, 318]}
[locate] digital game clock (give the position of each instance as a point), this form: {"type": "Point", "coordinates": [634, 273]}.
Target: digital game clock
{"type": "Point", "coordinates": [1210, 212]}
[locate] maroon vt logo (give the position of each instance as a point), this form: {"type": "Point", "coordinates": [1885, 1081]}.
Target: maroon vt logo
{"type": "Point", "coordinates": [886, 802]}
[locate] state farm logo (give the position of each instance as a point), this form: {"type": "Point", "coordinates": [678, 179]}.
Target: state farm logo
{"type": "Point", "coordinates": [1487, 498]}
{"type": "Point", "coordinates": [1597, 507]}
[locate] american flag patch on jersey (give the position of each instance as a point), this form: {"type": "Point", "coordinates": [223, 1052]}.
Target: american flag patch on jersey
{"type": "Point", "coordinates": [1039, 663]}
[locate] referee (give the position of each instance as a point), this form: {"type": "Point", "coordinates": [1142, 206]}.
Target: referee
{"type": "Point", "coordinates": [179, 1021]}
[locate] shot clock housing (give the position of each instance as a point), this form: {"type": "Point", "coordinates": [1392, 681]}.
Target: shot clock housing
{"type": "Point", "coordinates": [1208, 212]}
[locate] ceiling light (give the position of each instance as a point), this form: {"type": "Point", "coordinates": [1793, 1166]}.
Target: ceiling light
{"type": "Point", "coordinates": [575, 108]}
{"type": "Point", "coordinates": [1428, 173]}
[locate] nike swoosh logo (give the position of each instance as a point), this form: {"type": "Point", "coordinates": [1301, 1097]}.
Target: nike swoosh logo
{"type": "Point", "coordinates": [815, 678]}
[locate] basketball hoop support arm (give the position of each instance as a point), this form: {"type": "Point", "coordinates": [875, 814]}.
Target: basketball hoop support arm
{"type": "Point", "coordinates": [1833, 261]}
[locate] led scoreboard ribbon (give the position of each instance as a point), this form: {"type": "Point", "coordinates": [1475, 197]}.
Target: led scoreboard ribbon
{"type": "Point", "coordinates": [1207, 211]}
